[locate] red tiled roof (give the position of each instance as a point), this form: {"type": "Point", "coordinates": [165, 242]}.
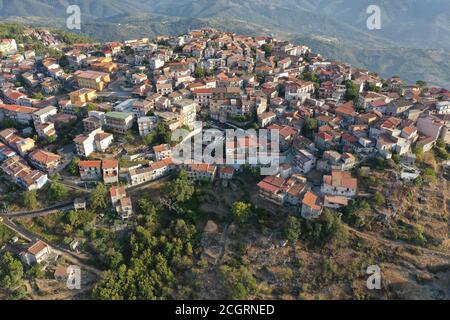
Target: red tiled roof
{"type": "Point", "coordinates": [311, 200]}
{"type": "Point", "coordinates": [341, 179]}
{"type": "Point", "coordinates": [90, 164]}
{"type": "Point", "coordinates": [110, 163]}
{"type": "Point", "coordinates": [37, 247]}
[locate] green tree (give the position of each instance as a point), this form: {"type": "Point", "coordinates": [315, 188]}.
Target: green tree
{"type": "Point", "coordinates": [35, 272]}
{"type": "Point", "coordinates": [30, 200]}
{"type": "Point", "coordinates": [38, 96]}
{"type": "Point", "coordinates": [429, 175]}
{"type": "Point", "coordinates": [99, 197]}
{"type": "Point", "coordinates": [73, 167]}
{"type": "Point", "coordinates": [396, 157]}
{"type": "Point", "coordinates": [181, 189]}
{"type": "Point", "coordinates": [91, 107]}
{"type": "Point", "coordinates": [331, 228]}
{"type": "Point", "coordinates": [418, 151]}
{"type": "Point", "coordinates": [268, 49]}
{"type": "Point", "coordinates": [351, 91]}
{"type": "Point", "coordinates": [199, 72]}
{"type": "Point", "coordinates": [309, 76]}
{"type": "Point", "coordinates": [158, 136]}
{"type": "Point", "coordinates": [418, 236]}
{"type": "Point", "coordinates": [440, 143]}
{"type": "Point", "coordinates": [442, 153]}
{"type": "Point", "coordinates": [241, 211]}
{"type": "Point", "coordinates": [292, 229]}
{"type": "Point", "coordinates": [379, 199]}
{"type": "Point", "coordinates": [238, 281]}
{"type": "Point", "coordinates": [5, 235]}
{"type": "Point", "coordinates": [311, 125]}
{"type": "Point", "coordinates": [418, 182]}
{"type": "Point", "coordinates": [57, 192]}
{"type": "Point", "coordinates": [11, 272]}
{"type": "Point", "coordinates": [421, 83]}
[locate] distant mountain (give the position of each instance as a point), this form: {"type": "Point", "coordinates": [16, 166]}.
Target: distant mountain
{"type": "Point", "coordinates": [416, 23]}
{"type": "Point", "coordinates": [408, 44]}
{"type": "Point", "coordinates": [431, 65]}
{"type": "Point", "coordinates": [413, 23]}
{"type": "Point", "coordinates": [90, 9]}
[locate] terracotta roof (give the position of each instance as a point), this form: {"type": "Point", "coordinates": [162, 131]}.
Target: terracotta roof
{"type": "Point", "coordinates": [267, 115]}
{"type": "Point", "coordinates": [337, 200]}
{"type": "Point", "coordinates": [268, 187]}
{"type": "Point", "coordinates": [102, 136]}
{"type": "Point", "coordinates": [117, 191]}
{"type": "Point", "coordinates": [340, 179]}
{"type": "Point", "coordinates": [409, 130]}
{"type": "Point", "coordinates": [61, 271]}
{"type": "Point", "coordinates": [17, 109]}
{"type": "Point", "coordinates": [160, 148]}
{"type": "Point", "coordinates": [89, 74]}
{"type": "Point", "coordinates": [44, 157]}
{"type": "Point", "coordinates": [37, 247]}
{"type": "Point", "coordinates": [311, 200]}
{"type": "Point", "coordinates": [126, 201]}
{"type": "Point", "coordinates": [226, 170]}
{"type": "Point", "coordinates": [90, 164]}
{"type": "Point", "coordinates": [110, 163]}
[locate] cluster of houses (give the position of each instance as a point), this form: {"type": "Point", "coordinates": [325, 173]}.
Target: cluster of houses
{"type": "Point", "coordinates": [231, 80]}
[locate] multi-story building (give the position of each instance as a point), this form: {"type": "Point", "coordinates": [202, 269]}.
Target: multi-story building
{"type": "Point", "coordinates": [83, 96]}
{"type": "Point", "coordinates": [20, 173]}
{"type": "Point", "coordinates": [119, 122]}
{"type": "Point", "coordinates": [304, 161]}
{"type": "Point", "coordinates": [140, 108]}
{"type": "Point", "coordinates": [202, 171]}
{"type": "Point", "coordinates": [44, 160]}
{"type": "Point", "coordinates": [339, 183]}
{"type": "Point", "coordinates": [45, 130]}
{"type": "Point", "coordinates": [17, 113]}
{"type": "Point", "coordinates": [162, 151]}
{"type": "Point", "coordinates": [97, 140]}
{"type": "Point", "coordinates": [430, 126]}
{"type": "Point", "coordinates": [110, 169]}
{"type": "Point", "coordinates": [91, 123]}
{"type": "Point", "coordinates": [311, 206]}
{"type": "Point", "coordinates": [188, 110]}
{"type": "Point", "coordinates": [90, 170]}
{"type": "Point", "coordinates": [44, 115]}
{"type": "Point", "coordinates": [102, 141]}
{"type": "Point", "coordinates": [146, 125]}
{"type": "Point", "coordinates": [92, 79]}
{"type": "Point", "coordinates": [121, 203]}
{"type": "Point", "coordinates": [152, 172]}
{"type": "Point", "coordinates": [38, 252]}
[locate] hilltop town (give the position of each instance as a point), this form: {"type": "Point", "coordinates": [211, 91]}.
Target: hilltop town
{"type": "Point", "coordinates": [88, 175]}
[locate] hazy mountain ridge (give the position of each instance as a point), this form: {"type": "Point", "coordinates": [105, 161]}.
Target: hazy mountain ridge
{"type": "Point", "coordinates": [341, 21]}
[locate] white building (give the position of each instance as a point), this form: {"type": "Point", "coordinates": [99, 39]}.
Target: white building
{"type": "Point", "coordinates": [43, 115]}
{"type": "Point", "coordinates": [8, 46]}
{"type": "Point", "coordinates": [339, 183]}
{"type": "Point", "coordinates": [430, 126]}
{"type": "Point", "coordinates": [304, 161]}
{"type": "Point", "coordinates": [39, 252]}
{"type": "Point", "coordinates": [443, 107]}
{"type": "Point", "coordinates": [146, 125]}
{"type": "Point", "coordinates": [97, 140]}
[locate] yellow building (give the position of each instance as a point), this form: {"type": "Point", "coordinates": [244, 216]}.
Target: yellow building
{"type": "Point", "coordinates": [83, 96]}
{"type": "Point", "coordinates": [92, 79]}
{"type": "Point", "coordinates": [105, 66]}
